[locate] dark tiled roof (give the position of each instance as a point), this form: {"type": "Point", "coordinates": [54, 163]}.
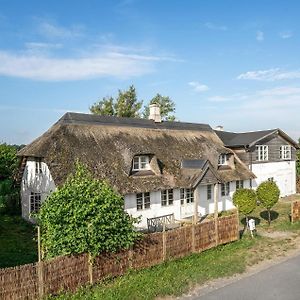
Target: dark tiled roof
{"type": "Point", "coordinates": [232, 139]}
{"type": "Point", "coordinates": [89, 119]}
{"type": "Point", "coordinates": [193, 164]}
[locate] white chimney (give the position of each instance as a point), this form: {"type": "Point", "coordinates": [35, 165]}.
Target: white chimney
{"type": "Point", "coordinates": [154, 113]}
{"type": "Point", "coordinates": [219, 128]}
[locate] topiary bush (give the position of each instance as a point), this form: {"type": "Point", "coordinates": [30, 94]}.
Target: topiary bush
{"type": "Point", "coordinates": [245, 201]}
{"type": "Point", "coordinates": [85, 215]}
{"type": "Point", "coordinates": [268, 194]}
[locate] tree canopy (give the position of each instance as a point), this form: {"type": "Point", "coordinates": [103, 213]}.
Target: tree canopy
{"type": "Point", "coordinates": [8, 161]}
{"type": "Point", "coordinates": [126, 104]}
{"type": "Point", "coordinates": [167, 107]}
{"type": "Point", "coordinates": [85, 215]}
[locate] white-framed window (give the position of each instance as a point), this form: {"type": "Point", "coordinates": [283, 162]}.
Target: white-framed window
{"type": "Point", "coordinates": [38, 165]}
{"type": "Point", "coordinates": [167, 197]}
{"type": "Point", "coordinates": [141, 162]}
{"type": "Point", "coordinates": [285, 152]}
{"type": "Point", "coordinates": [142, 201]}
{"type": "Point", "coordinates": [186, 196]}
{"type": "Point", "coordinates": [209, 192]}
{"type": "Point", "coordinates": [239, 184]}
{"type": "Point", "coordinates": [35, 202]}
{"type": "Point", "coordinates": [222, 159]}
{"type": "Point", "coordinates": [262, 152]}
{"type": "Point", "coordinates": [225, 189]}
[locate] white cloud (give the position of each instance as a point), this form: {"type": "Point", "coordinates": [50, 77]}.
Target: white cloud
{"type": "Point", "coordinates": [213, 26]}
{"type": "Point", "coordinates": [260, 36]}
{"type": "Point", "coordinates": [218, 99]}
{"type": "Point", "coordinates": [106, 63]}
{"type": "Point", "coordinates": [198, 87]}
{"type": "Point", "coordinates": [270, 75]}
{"type": "Point", "coordinates": [51, 30]}
{"type": "Point", "coordinates": [286, 34]}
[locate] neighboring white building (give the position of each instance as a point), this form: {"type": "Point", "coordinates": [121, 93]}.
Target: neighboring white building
{"type": "Point", "coordinates": [159, 167]}
{"type": "Point", "coordinates": [269, 154]}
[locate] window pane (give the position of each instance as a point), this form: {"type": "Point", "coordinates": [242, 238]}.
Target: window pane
{"type": "Point", "coordinates": [139, 201]}
{"type": "Point", "coordinates": [170, 196]}
{"type": "Point", "coordinates": [147, 200]}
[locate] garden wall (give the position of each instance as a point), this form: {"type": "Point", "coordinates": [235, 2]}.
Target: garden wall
{"type": "Point", "coordinates": [70, 272]}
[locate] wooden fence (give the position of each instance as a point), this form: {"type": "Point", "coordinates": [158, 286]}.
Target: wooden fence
{"type": "Point", "coordinates": [67, 273]}
{"type": "Point", "coordinates": [295, 211]}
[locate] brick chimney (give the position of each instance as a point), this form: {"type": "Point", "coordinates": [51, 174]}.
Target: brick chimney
{"type": "Point", "coordinates": [155, 113]}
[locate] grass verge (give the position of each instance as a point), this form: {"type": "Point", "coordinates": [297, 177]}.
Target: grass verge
{"type": "Point", "coordinates": [178, 276]}
{"type": "Point", "coordinates": [17, 246]}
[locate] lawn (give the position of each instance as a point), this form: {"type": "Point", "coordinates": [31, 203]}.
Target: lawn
{"type": "Point", "coordinates": [17, 245]}
{"type": "Point", "coordinates": [280, 215]}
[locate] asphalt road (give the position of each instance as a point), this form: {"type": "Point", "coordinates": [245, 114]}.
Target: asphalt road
{"type": "Point", "coordinates": [281, 281]}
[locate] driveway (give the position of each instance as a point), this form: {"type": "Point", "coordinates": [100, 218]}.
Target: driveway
{"type": "Point", "coordinates": [281, 281]}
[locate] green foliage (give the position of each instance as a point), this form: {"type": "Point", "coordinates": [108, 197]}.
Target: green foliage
{"type": "Point", "coordinates": [17, 242]}
{"type": "Point", "coordinates": [8, 161]}
{"type": "Point", "coordinates": [268, 194]}
{"type": "Point", "coordinates": [85, 215]}
{"type": "Point", "coordinates": [167, 107]}
{"type": "Point", "coordinates": [125, 105]}
{"type": "Point", "coordinates": [9, 198]}
{"type": "Point", "coordinates": [244, 200]}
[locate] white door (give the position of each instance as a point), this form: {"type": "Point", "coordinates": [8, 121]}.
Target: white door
{"type": "Point", "coordinates": [187, 206]}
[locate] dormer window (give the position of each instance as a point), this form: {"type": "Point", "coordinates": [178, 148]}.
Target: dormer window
{"type": "Point", "coordinates": [38, 165]}
{"type": "Point", "coordinates": [222, 160]}
{"type": "Point", "coordinates": [141, 162]}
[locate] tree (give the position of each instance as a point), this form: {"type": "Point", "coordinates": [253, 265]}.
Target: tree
{"type": "Point", "coordinates": [85, 215]}
{"type": "Point", "coordinates": [268, 194]}
{"type": "Point", "coordinates": [167, 107]}
{"type": "Point", "coordinates": [298, 160]}
{"type": "Point", "coordinates": [8, 161]}
{"type": "Point", "coordinates": [125, 105]}
{"type": "Point", "coordinates": [245, 201]}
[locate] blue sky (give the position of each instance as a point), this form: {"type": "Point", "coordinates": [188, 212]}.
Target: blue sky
{"type": "Point", "coordinates": [230, 63]}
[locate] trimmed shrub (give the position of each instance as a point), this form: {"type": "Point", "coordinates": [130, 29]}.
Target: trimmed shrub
{"type": "Point", "coordinates": [268, 194]}
{"type": "Point", "coordinates": [245, 201]}
{"type": "Point", "coordinates": [85, 215]}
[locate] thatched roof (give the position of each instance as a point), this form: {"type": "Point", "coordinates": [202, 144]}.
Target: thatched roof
{"type": "Point", "coordinates": [107, 146]}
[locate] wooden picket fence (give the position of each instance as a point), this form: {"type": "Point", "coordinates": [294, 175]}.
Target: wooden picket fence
{"type": "Point", "coordinates": [67, 273]}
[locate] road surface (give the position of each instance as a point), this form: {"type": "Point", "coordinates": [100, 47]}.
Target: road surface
{"type": "Point", "coordinates": [281, 281]}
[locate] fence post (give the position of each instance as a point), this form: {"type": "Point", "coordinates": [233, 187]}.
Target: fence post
{"type": "Point", "coordinates": [90, 268]}
{"type": "Point", "coordinates": [130, 257]}
{"type": "Point", "coordinates": [238, 224]}
{"type": "Point", "coordinates": [292, 211]}
{"type": "Point", "coordinates": [216, 212]}
{"type": "Point", "coordinates": [40, 266]}
{"type": "Point", "coordinates": [193, 234]}
{"type": "Point", "coordinates": [164, 242]}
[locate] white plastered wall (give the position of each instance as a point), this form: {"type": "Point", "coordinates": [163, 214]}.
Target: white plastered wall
{"type": "Point", "coordinates": [37, 183]}
{"type": "Point", "coordinates": [284, 174]}
{"type": "Point", "coordinates": [224, 202]}
{"type": "Point", "coordinates": [156, 210]}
